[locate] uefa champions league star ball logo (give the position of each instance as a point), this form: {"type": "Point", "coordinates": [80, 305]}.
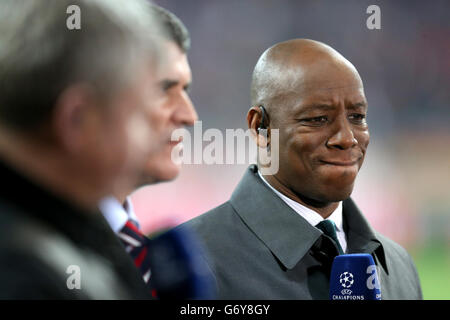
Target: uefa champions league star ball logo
{"type": "Point", "coordinates": [346, 279]}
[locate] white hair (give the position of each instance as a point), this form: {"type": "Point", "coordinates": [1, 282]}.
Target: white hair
{"type": "Point", "coordinates": [40, 56]}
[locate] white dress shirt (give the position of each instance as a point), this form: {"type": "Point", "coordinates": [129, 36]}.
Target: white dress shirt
{"type": "Point", "coordinates": [115, 213]}
{"type": "Point", "coordinates": [313, 217]}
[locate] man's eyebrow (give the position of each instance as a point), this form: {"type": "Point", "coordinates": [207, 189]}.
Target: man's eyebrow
{"type": "Point", "coordinates": [328, 107]}
{"type": "Point", "coordinates": [316, 107]}
{"type": "Point", "coordinates": [168, 83]}
{"type": "Point", "coordinates": [357, 105]}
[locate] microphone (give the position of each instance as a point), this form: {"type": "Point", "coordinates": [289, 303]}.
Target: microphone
{"type": "Point", "coordinates": [178, 269]}
{"type": "Point", "coordinates": [354, 277]}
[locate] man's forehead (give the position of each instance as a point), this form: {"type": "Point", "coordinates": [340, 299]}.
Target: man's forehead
{"type": "Point", "coordinates": [351, 96]}
{"type": "Point", "coordinates": [305, 70]}
{"type": "Point", "coordinates": [330, 90]}
{"type": "Point", "coordinates": [320, 79]}
{"type": "Point", "coordinates": [176, 67]}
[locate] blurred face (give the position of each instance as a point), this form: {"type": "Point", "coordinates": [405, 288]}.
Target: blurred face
{"type": "Point", "coordinates": [171, 109]}
{"type": "Point", "coordinates": [323, 134]}
{"type": "Point", "coordinates": [135, 137]}
{"type": "Point", "coordinates": [121, 137]}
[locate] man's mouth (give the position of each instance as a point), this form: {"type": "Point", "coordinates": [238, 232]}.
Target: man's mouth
{"type": "Point", "coordinates": [175, 142]}
{"type": "Point", "coordinates": [340, 163]}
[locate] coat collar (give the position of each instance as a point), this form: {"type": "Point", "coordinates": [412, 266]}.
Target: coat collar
{"type": "Point", "coordinates": [361, 238]}
{"type": "Point", "coordinates": [287, 235]}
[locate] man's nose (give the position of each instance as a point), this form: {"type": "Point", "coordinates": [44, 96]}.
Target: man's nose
{"type": "Point", "coordinates": [342, 137]}
{"type": "Point", "coordinates": [185, 113]}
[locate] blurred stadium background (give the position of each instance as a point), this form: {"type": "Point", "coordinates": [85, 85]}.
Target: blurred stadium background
{"type": "Point", "coordinates": [404, 185]}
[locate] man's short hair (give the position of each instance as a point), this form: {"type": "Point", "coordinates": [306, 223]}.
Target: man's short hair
{"type": "Point", "coordinates": [174, 29]}
{"type": "Point", "coordinates": [40, 56]}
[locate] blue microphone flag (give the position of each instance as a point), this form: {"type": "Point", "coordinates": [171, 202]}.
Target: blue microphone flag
{"type": "Point", "coordinates": [354, 277]}
{"type": "Point", "coordinates": [178, 268]}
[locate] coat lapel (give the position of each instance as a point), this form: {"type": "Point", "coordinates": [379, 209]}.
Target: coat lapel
{"type": "Point", "coordinates": [287, 235]}
{"type": "Point", "coordinates": [361, 238]}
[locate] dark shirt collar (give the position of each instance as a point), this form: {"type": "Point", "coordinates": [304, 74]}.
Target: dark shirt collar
{"type": "Point", "coordinates": [289, 236]}
{"type": "Point", "coordinates": [39, 204]}
{"type": "Point", "coordinates": [88, 231]}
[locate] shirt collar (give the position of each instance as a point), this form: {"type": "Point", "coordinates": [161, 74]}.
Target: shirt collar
{"type": "Point", "coordinates": [116, 214]}
{"type": "Point", "coordinates": [308, 214]}
{"type": "Point", "coordinates": [129, 209]}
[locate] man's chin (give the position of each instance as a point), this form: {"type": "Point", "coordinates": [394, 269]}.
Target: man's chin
{"type": "Point", "coordinates": [339, 194]}
{"type": "Point", "coordinates": [153, 175]}
{"type": "Point", "coordinates": [166, 176]}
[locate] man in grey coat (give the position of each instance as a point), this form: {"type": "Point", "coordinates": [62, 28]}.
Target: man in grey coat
{"type": "Point", "coordinates": [265, 242]}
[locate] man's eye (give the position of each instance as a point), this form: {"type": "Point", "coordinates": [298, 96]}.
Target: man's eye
{"type": "Point", "coordinates": [166, 85]}
{"type": "Point", "coordinates": [358, 118]}
{"type": "Point", "coordinates": [315, 121]}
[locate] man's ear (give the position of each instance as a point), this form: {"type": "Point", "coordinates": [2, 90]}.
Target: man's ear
{"type": "Point", "coordinates": [72, 117]}
{"type": "Point", "coordinates": [254, 118]}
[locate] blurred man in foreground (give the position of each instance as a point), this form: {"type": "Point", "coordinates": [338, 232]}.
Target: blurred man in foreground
{"type": "Point", "coordinates": [277, 236]}
{"type": "Point", "coordinates": [71, 105]}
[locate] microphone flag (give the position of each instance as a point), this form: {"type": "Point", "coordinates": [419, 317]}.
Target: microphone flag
{"type": "Point", "coordinates": [354, 277]}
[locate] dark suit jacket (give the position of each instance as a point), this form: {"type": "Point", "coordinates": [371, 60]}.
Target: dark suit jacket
{"type": "Point", "coordinates": [42, 235]}
{"type": "Point", "coordinates": [259, 248]}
